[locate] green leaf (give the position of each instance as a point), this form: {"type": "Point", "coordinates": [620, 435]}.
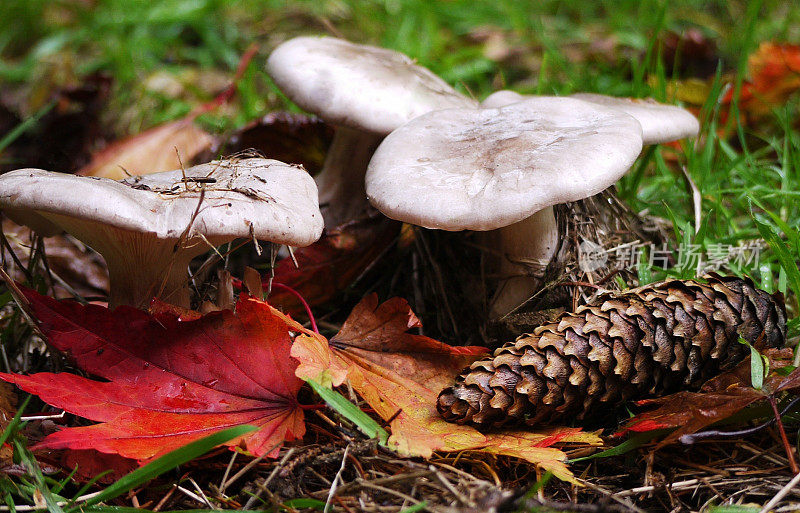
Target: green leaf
{"type": "Point", "coordinates": [12, 426]}
{"type": "Point", "coordinates": [734, 508]}
{"type": "Point", "coordinates": [416, 507]}
{"type": "Point", "coordinates": [303, 503]}
{"type": "Point", "coordinates": [782, 252]}
{"type": "Point", "coordinates": [757, 366]}
{"type": "Point", "coordinates": [350, 411]}
{"type": "Point", "coordinates": [635, 441]}
{"type": "Point", "coordinates": [30, 463]}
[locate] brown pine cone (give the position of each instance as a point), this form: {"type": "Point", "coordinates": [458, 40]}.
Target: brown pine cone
{"type": "Point", "coordinates": [639, 343]}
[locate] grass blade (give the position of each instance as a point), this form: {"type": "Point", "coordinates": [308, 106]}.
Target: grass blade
{"type": "Point", "coordinates": [165, 463]}
{"type": "Point", "coordinates": [350, 411]}
{"type": "Point", "coordinates": [23, 127]}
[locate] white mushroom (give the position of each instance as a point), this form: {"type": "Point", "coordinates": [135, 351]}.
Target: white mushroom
{"type": "Point", "coordinates": [503, 169]}
{"type": "Point", "coordinates": [149, 228]}
{"type": "Point", "coordinates": [660, 122]}
{"type": "Point", "coordinates": [366, 92]}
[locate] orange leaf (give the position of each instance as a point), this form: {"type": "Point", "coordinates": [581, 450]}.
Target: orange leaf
{"type": "Point", "coordinates": [400, 375]}
{"type": "Point", "coordinates": [774, 70]}
{"type": "Point", "coordinates": [152, 151]}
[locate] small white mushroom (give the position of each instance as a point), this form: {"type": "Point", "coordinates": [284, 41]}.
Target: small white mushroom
{"type": "Point", "coordinates": [660, 122]}
{"type": "Point", "coordinates": [503, 169]}
{"type": "Point", "coordinates": [366, 92]}
{"type": "Point", "coordinates": [149, 228]}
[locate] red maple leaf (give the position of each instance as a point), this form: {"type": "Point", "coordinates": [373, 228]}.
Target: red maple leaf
{"type": "Point", "coordinates": [170, 380]}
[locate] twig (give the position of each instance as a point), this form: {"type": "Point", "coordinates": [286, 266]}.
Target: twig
{"type": "Point", "coordinates": [458, 495]}
{"type": "Point", "coordinates": [14, 257]}
{"type": "Point", "coordinates": [680, 485]}
{"type": "Point", "coordinates": [336, 481]}
{"type": "Point", "coordinates": [697, 199]}
{"type": "Point", "coordinates": [178, 245]}
{"type": "Point", "coordinates": [202, 495]}
{"type": "Point", "coordinates": [43, 417]}
{"type": "Point", "coordinates": [781, 494]}
{"type": "Point", "coordinates": [190, 494]}
{"type": "Point", "coordinates": [367, 484]}
{"type": "Point", "coordinates": [263, 486]}
{"type": "Point", "coordinates": [788, 448]}
{"type": "Point", "coordinates": [227, 473]}
{"type": "Point", "coordinates": [419, 240]}
{"type": "Point", "coordinates": [291, 255]}
{"type": "Point", "coordinates": [531, 504]}
{"type": "Point", "coordinates": [621, 500]}
{"type": "Point", "coordinates": [165, 498]}
{"type": "Point", "coordinates": [410, 476]}
{"type": "Point", "coordinates": [578, 284]}
{"type": "Point", "coordinates": [246, 469]}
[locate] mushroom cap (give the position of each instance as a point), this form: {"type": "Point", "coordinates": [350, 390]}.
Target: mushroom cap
{"type": "Point", "coordinates": [660, 122]}
{"type": "Point", "coordinates": [277, 200]}
{"type": "Point", "coordinates": [359, 86]}
{"type": "Point", "coordinates": [502, 98]}
{"type": "Point", "coordinates": [485, 169]}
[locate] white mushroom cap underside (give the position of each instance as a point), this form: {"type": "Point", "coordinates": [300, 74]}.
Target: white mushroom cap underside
{"type": "Point", "coordinates": [660, 123]}
{"type": "Point", "coordinates": [279, 201]}
{"type": "Point", "coordinates": [485, 169]}
{"type": "Point", "coordinates": [359, 86]}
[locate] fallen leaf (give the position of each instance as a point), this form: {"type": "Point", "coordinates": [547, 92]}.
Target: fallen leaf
{"type": "Point", "coordinates": [165, 147]}
{"type": "Point", "coordinates": [400, 375]}
{"type": "Point", "coordinates": [162, 148]}
{"type": "Point", "coordinates": [774, 71]}
{"type": "Point", "coordinates": [718, 399]}
{"type": "Point", "coordinates": [773, 76]}
{"type": "Point", "coordinates": [292, 138]}
{"type": "Point", "coordinates": [170, 381]}
{"type": "Point", "coordinates": [79, 266]}
{"type": "Point", "coordinates": [327, 267]}
{"type": "Point", "coordinates": [8, 401]}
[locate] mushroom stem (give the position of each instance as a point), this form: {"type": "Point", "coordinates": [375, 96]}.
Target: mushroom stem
{"type": "Point", "coordinates": [140, 265]}
{"type": "Point", "coordinates": [527, 247]}
{"type": "Point", "coordinates": [138, 286]}
{"type": "Point", "coordinates": [341, 182]}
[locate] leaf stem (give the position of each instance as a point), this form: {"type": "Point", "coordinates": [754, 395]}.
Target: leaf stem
{"type": "Point", "coordinates": [788, 448]}
{"type": "Point", "coordinates": [303, 301]}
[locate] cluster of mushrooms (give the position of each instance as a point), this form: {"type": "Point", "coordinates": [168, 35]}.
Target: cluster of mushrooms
{"type": "Point", "coordinates": [405, 142]}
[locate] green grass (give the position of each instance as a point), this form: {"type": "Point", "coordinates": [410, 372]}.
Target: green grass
{"type": "Point", "coordinates": [749, 183]}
